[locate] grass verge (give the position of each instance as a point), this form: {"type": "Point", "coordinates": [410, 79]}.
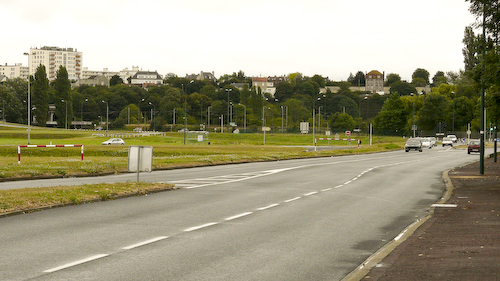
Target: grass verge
{"type": "Point", "coordinates": [34, 199]}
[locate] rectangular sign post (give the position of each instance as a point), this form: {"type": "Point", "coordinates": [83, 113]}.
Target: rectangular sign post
{"type": "Point", "coordinates": [140, 159]}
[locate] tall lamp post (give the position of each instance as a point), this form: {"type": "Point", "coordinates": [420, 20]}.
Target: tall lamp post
{"type": "Point", "coordinates": [244, 117]}
{"type": "Point", "coordinates": [29, 97]}
{"type": "Point", "coordinates": [413, 126]}
{"type": "Point", "coordinates": [66, 120]}
{"type": "Point", "coordinates": [81, 113]}
{"type": "Point", "coordinates": [228, 90]}
{"type": "Point", "coordinates": [153, 113]}
{"type": "Point", "coordinates": [107, 116]}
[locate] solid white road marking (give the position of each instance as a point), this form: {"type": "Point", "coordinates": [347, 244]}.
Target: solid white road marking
{"type": "Point", "coordinates": [92, 258]}
{"type": "Point", "coordinates": [199, 226]}
{"type": "Point", "coordinates": [445, 205]}
{"type": "Point", "coordinates": [145, 242]}
{"type": "Point", "coordinates": [268, 207]}
{"type": "Point", "coordinates": [238, 216]}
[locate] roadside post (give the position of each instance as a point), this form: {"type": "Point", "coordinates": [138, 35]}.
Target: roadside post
{"type": "Point", "coordinates": [140, 159]}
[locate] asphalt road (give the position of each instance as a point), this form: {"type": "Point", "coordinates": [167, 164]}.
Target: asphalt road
{"type": "Point", "coordinates": [311, 219]}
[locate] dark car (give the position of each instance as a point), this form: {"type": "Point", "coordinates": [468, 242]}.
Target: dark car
{"type": "Point", "coordinates": [413, 144]}
{"type": "Point", "coordinates": [473, 146]}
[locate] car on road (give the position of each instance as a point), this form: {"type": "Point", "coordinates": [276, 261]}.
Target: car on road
{"type": "Point", "coordinates": [413, 144]}
{"type": "Point", "coordinates": [473, 146]}
{"type": "Point", "coordinates": [433, 141]}
{"type": "Point", "coordinates": [114, 141]}
{"type": "Point", "coordinates": [447, 141]}
{"type": "Point", "coordinates": [453, 138]}
{"type": "Point", "coordinates": [426, 142]}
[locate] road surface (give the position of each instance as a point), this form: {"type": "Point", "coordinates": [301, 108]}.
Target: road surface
{"type": "Point", "coordinates": [310, 219]}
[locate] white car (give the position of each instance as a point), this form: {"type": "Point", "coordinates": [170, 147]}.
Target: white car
{"type": "Point", "coordinates": [114, 141]}
{"type": "Point", "coordinates": [453, 138]}
{"type": "Point", "coordinates": [447, 141]}
{"type": "Point", "coordinates": [433, 141]}
{"type": "Point", "coordinates": [426, 142]}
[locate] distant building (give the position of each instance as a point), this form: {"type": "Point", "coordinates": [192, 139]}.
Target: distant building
{"type": "Point", "coordinates": [14, 71]}
{"type": "Point", "coordinates": [54, 57]}
{"type": "Point", "coordinates": [374, 81]}
{"type": "Point", "coordinates": [126, 73]}
{"type": "Point", "coordinates": [264, 85]}
{"type": "Point", "coordinates": [202, 76]}
{"type": "Point", "coordinates": [95, 80]}
{"type": "Point", "coordinates": [86, 73]}
{"type": "Point", "coordinates": [146, 78]}
{"type": "Point", "coordinates": [277, 79]}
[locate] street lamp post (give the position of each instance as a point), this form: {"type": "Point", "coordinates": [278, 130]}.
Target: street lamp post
{"type": "Point", "coordinates": [29, 97]}
{"type": "Point", "coordinates": [453, 118]}
{"type": "Point", "coordinates": [81, 113]}
{"type": "Point", "coordinates": [413, 119]}
{"type": "Point", "coordinates": [107, 116]}
{"type": "Point", "coordinates": [153, 114]}
{"type": "Point", "coordinates": [228, 90]}
{"type": "Point", "coordinates": [208, 117]}
{"type": "Point", "coordinates": [66, 120]}
{"type": "Point", "coordinates": [244, 118]}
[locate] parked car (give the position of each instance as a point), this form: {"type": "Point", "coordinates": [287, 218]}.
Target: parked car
{"type": "Point", "coordinates": [474, 146]}
{"type": "Point", "coordinates": [426, 142]}
{"type": "Point", "coordinates": [453, 138]}
{"type": "Point", "coordinates": [413, 144]}
{"type": "Point", "coordinates": [114, 141]}
{"type": "Point", "coordinates": [447, 141]}
{"type": "Point", "coordinates": [433, 141]}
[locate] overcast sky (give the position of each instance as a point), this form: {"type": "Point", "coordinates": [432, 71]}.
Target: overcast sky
{"type": "Point", "coordinates": [260, 37]}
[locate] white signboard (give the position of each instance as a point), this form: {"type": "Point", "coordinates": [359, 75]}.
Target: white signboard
{"type": "Point", "coordinates": [140, 158]}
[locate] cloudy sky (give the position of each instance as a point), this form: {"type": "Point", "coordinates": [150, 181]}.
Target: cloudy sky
{"type": "Point", "coordinates": [260, 37]}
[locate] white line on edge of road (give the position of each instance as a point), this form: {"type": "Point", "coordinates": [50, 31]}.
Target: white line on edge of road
{"type": "Point", "coordinates": [92, 258]}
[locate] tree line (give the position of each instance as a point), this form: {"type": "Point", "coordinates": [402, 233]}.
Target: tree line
{"type": "Point", "coordinates": [451, 104]}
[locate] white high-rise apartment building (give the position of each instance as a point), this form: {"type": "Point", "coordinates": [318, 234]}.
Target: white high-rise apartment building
{"type": "Point", "coordinates": [53, 57]}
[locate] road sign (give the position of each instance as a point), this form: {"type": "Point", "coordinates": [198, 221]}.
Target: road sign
{"type": "Point", "coordinates": [266, 129]}
{"type": "Point", "coordinates": [347, 133]}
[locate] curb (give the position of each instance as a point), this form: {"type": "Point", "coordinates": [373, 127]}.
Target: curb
{"type": "Point", "coordinates": [364, 268]}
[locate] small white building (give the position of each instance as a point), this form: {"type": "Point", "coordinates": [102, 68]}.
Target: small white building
{"type": "Point", "coordinates": [147, 78]}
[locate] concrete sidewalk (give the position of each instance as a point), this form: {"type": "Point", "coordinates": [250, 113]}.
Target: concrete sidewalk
{"type": "Point", "coordinates": [460, 240]}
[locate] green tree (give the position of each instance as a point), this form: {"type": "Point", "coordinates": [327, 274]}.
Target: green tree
{"type": "Point", "coordinates": [41, 93]}
{"type": "Point", "coordinates": [63, 98]}
{"type": "Point", "coordinates": [392, 117]}
{"type": "Point", "coordinates": [489, 10]}
{"type": "Point", "coordinates": [402, 88]}
{"type": "Point", "coordinates": [472, 48]}
{"type": "Point", "coordinates": [359, 79]}
{"type": "Point", "coordinates": [12, 94]}
{"type": "Point", "coordinates": [391, 79]}
{"type": "Point", "coordinates": [420, 73]}
{"type": "Point", "coordinates": [439, 79]}
{"type": "Point", "coordinates": [341, 122]}
{"type": "Point", "coordinates": [433, 111]}
{"type": "Point", "coordinates": [115, 80]}
{"type": "Point", "coordinates": [319, 79]}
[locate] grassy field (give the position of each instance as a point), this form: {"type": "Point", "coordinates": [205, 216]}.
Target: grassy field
{"type": "Point", "coordinates": [169, 152]}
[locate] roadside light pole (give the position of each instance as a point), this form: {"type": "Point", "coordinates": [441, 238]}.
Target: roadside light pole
{"type": "Point", "coordinates": [413, 125]}
{"type": "Point", "coordinates": [244, 118]}
{"type": "Point", "coordinates": [228, 91]}
{"type": "Point", "coordinates": [153, 114]}
{"type": "Point", "coordinates": [29, 97]}
{"type": "Point", "coordinates": [81, 113]}
{"type": "Point", "coordinates": [66, 120]}
{"type": "Point", "coordinates": [107, 116]}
